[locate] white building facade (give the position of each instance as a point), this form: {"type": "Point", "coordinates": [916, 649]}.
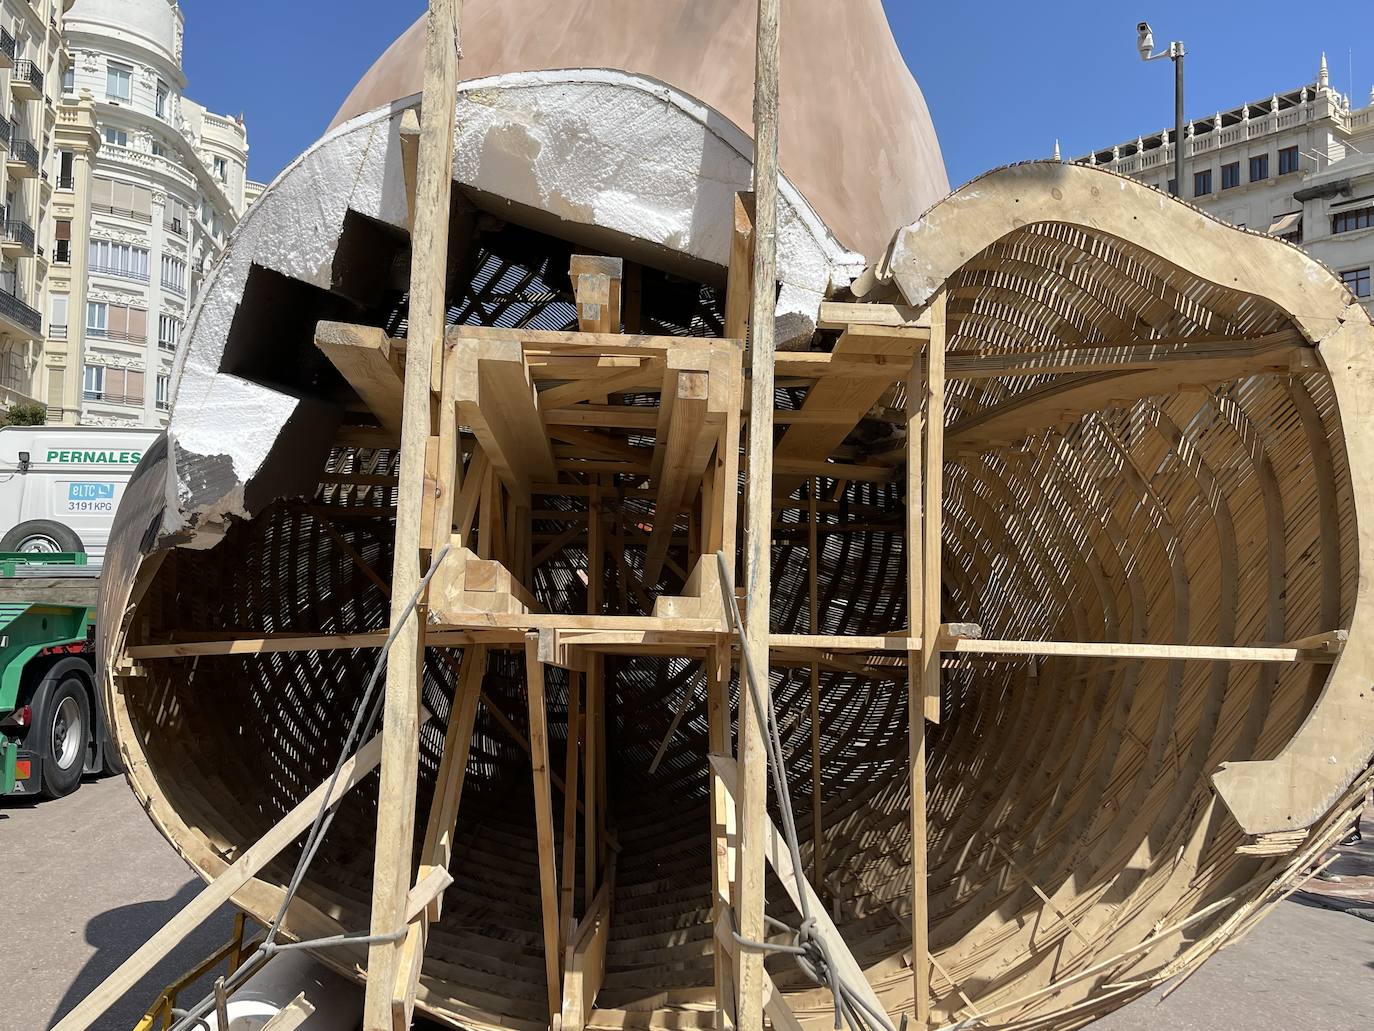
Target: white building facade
{"type": "Point", "coordinates": [1299, 165]}
{"type": "Point", "coordinates": [164, 184]}
{"type": "Point", "coordinates": [31, 62]}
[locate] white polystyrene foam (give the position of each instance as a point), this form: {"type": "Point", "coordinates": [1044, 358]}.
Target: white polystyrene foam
{"type": "Point", "coordinates": [603, 148]}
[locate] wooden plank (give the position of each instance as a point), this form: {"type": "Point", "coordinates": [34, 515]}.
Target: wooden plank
{"type": "Point", "coordinates": [775, 1005]}
{"type": "Point", "coordinates": [296, 1013]}
{"type": "Point", "coordinates": [391, 879]}
{"type": "Point", "coordinates": [497, 398]}
{"type": "Point", "coordinates": [749, 888]}
{"type": "Point", "coordinates": [219, 891]}
{"type": "Point", "coordinates": [932, 506]}
{"type": "Point", "coordinates": [686, 438]}
{"type": "Point", "coordinates": [448, 460]}
{"type": "Point", "coordinates": [1158, 652]}
{"type": "Point", "coordinates": [813, 607]}
{"type": "Point", "coordinates": [842, 315]}
{"type": "Point", "coordinates": [543, 821]}
{"type": "Point", "coordinates": [409, 135]}
{"type": "Point", "coordinates": [363, 356]}
{"type": "Point", "coordinates": [568, 885]}
{"type": "Point", "coordinates": [584, 966]}
{"type": "Point", "coordinates": [778, 857]}
{"type": "Point", "coordinates": [597, 289]}
{"type": "Point", "coordinates": [437, 850]}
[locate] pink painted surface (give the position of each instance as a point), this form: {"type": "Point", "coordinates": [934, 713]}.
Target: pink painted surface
{"type": "Point", "coordinates": [856, 137]}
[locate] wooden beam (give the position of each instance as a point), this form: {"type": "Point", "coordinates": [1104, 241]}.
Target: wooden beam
{"type": "Point", "coordinates": [686, 438]}
{"type": "Point", "coordinates": [437, 851]}
{"type": "Point", "coordinates": [409, 135]}
{"type": "Point", "coordinates": [841, 315]}
{"type": "Point", "coordinates": [543, 821]}
{"type": "Point", "coordinates": [219, 891]}
{"type": "Point", "coordinates": [584, 964]}
{"type": "Point", "coordinates": [497, 398]}
{"type": "Point", "coordinates": [932, 506]}
{"type": "Point", "coordinates": [597, 288]}
{"type": "Point", "coordinates": [364, 358]}
{"type": "Point", "coordinates": [568, 884]}
{"type": "Point", "coordinates": [813, 606]}
{"type": "Point", "coordinates": [749, 893]}
{"type": "Point", "coordinates": [391, 879]}
{"type": "Point", "coordinates": [780, 859]}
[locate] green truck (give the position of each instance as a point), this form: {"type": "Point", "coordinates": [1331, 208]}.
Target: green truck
{"type": "Point", "coordinates": [52, 729]}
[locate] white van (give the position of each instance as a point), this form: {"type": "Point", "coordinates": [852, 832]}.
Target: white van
{"type": "Point", "coordinates": [60, 485]}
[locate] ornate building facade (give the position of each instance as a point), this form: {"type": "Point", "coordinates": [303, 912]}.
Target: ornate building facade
{"type": "Point", "coordinates": [30, 75]}
{"type": "Point", "coordinates": [1298, 165]}
{"type": "Point", "coordinates": [150, 184]}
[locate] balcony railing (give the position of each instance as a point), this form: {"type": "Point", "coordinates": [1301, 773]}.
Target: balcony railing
{"type": "Point", "coordinates": [176, 288]}
{"type": "Point", "coordinates": [6, 131]}
{"type": "Point", "coordinates": [110, 209]}
{"type": "Point", "coordinates": [66, 182]}
{"type": "Point", "coordinates": [109, 397]}
{"type": "Point", "coordinates": [6, 44]}
{"type": "Point", "coordinates": [120, 273]}
{"type": "Point", "coordinates": [175, 225]}
{"type": "Point", "coordinates": [116, 334]}
{"type": "Point", "coordinates": [22, 150]}
{"type": "Point", "coordinates": [167, 345]}
{"type": "Point", "coordinates": [12, 308]}
{"type": "Point", "coordinates": [14, 231]}
{"type": "Point", "coordinates": [27, 72]}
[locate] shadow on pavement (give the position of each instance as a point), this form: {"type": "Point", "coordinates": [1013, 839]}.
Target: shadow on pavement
{"type": "Point", "coordinates": [117, 933]}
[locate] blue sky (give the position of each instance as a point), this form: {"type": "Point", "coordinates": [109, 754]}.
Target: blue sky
{"type": "Point", "coordinates": [1001, 83]}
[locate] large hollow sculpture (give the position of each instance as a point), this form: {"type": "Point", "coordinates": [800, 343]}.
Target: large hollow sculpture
{"type": "Point", "coordinates": [1157, 507]}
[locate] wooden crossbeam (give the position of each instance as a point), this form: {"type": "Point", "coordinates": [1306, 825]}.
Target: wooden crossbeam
{"type": "Point", "coordinates": [497, 398]}
{"type": "Point", "coordinates": [363, 355]}
{"type": "Point", "coordinates": [686, 437]}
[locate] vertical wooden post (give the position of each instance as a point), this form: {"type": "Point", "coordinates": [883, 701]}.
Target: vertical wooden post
{"type": "Point", "coordinates": [925, 497]}
{"type": "Point", "coordinates": [721, 535]}
{"type": "Point", "coordinates": [759, 516]}
{"type": "Point", "coordinates": [569, 883]}
{"type": "Point", "coordinates": [817, 839]}
{"type": "Point", "coordinates": [543, 822]}
{"type": "Point", "coordinates": [400, 729]}
{"type": "Point", "coordinates": [591, 732]}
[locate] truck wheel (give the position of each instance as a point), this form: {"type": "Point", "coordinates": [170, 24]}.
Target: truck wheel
{"type": "Point", "coordinates": [41, 535]}
{"type": "Point", "coordinates": [63, 737]}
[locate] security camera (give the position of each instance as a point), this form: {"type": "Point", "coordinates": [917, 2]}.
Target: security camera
{"type": "Point", "coordinates": [1145, 40]}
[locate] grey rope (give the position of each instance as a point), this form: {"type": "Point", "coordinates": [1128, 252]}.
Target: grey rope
{"type": "Point", "coordinates": [811, 952]}
{"type": "Point", "coordinates": [365, 717]}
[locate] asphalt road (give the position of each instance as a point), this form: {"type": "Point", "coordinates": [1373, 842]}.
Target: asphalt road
{"type": "Point", "coordinates": [86, 879]}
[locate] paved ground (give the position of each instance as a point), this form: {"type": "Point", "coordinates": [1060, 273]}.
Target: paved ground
{"type": "Point", "coordinates": [85, 880]}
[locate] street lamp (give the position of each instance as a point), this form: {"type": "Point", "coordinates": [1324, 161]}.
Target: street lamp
{"type": "Point", "coordinates": [1145, 43]}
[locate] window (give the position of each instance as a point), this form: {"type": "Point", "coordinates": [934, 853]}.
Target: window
{"type": "Point", "coordinates": [119, 259]}
{"type": "Point", "coordinates": [117, 82]}
{"type": "Point", "coordinates": [175, 216]}
{"type": "Point", "coordinates": [1349, 221]}
{"type": "Point", "coordinates": [1288, 160]}
{"type": "Point", "coordinates": [173, 274]}
{"type": "Point", "coordinates": [1230, 175]}
{"type": "Point", "coordinates": [162, 94]}
{"type": "Point", "coordinates": [113, 386]}
{"type": "Point", "coordinates": [118, 137]}
{"type": "Point", "coordinates": [1202, 183]}
{"type": "Point", "coordinates": [66, 170]}
{"type": "Point", "coordinates": [159, 150]}
{"type": "Point", "coordinates": [222, 169]}
{"type": "Point", "coordinates": [122, 198]}
{"type": "Point", "coordinates": [57, 325]}
{"type": "Point", "coordinates": [62, 241]}
{"type": "Point", "coordinates": [1358, 281]}
{"type": "Point", "coordinates": [1173, 187]}
{"type": "Point", "coordinates": [168, 332]}
{"type": "Point", "coordinates": [93, 383]}
{"type": "Point", "coordinates": [164, 393]}
{"type": "Point", "coordinates": [1259, 168]}
{"type": "Point", "coordinates": [69, 79]}
{"type": "Point", "coordinates": [97, 318]}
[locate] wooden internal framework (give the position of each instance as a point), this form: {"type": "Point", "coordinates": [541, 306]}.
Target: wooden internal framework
{"type": "Point", "coordinates": [1059, 517]}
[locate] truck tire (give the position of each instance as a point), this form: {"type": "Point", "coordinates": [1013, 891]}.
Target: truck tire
{"type": "Point", "coordinates": [63, 736]}
{"type": "Point", "coordinates": [41, 535]}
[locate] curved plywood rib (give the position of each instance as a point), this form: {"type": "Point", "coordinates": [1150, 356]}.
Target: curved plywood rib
{"type": "Point", "coordinates": [1298, 786]}
{"type": "Point", "coordinates": [1153, 506]}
